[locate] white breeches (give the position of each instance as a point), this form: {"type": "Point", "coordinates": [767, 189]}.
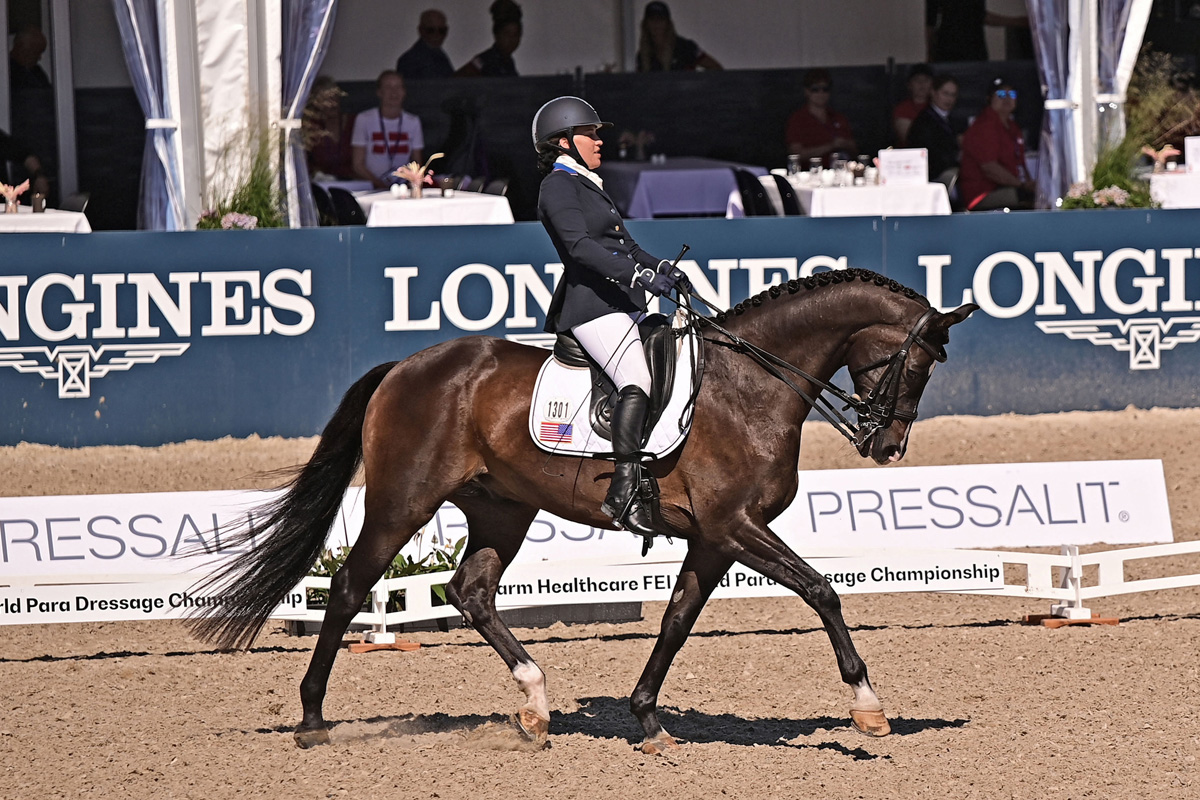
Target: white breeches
{"type": "Point", "coordinates": [614, 343]}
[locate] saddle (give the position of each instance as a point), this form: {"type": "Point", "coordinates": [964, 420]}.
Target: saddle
{"type": "Point", "coordinates": [570, 412]}
{"type": "Point", "coordinates": [659, 342]}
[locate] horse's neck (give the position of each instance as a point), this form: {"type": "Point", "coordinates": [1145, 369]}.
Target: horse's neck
{"type": "Point", "coordinates": [811, 330]}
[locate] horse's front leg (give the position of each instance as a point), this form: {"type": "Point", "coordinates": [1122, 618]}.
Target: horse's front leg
{"type": "Point", "coordinates": [496, 530]}
{"type": "Point", "coordinates": [701, 573]}
{"type": "Point", "coordinates": [764, 552]}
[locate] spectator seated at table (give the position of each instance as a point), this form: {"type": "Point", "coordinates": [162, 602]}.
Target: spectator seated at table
{"type": "Point", "coordinates": [920, 81]}
{"type": "Point", "coordinates": [993, 173]}
{"type": "Point", "coordinates": [497, 60]}
{"type": "Point", "coordinates": [426, 58]}
{"type": "Point", "coordinates": [815, 130]}
{"type": "Point", "coordinates": [386, 137]}
{"type": "Point", "coordinates": [662, 50]}
{"type": "Point", "coordinates": [933, 129]}
{"type": "Point", "coordinates": [18, 163]}
{"type": "Point", "coordinates": [326, 132]}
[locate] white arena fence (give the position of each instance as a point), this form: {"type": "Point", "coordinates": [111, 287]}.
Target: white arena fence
{"type": "Point", "coordinates": [100, 558]}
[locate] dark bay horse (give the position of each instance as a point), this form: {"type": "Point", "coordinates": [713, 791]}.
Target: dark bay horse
{"type": "Point", "coordinates": [450, 423]}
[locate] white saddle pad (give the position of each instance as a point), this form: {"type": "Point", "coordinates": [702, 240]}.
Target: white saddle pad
{"type": "Point", "coordinates": [560, 414]}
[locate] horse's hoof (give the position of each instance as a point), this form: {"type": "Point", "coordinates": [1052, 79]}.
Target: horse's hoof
{"type": "Point", "coordinates": [872, 723]}
{"type": "Point", "coordinates": [311, 738]}
{"type": "Point", "coordinates": [532, 727]}
{"type": "Point", "coordinates": [659, 745]}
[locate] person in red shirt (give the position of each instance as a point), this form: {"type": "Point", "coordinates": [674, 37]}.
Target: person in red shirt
{"type": "Point", "coordinates": [815, 130]}
{"type": "Point", "coordinates": [920, 84]}
{"type": "Point", "coordinates": [993, 173]}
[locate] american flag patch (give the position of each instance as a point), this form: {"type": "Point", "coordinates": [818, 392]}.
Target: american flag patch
{"type": "Point", "coordinates": [559, 432]}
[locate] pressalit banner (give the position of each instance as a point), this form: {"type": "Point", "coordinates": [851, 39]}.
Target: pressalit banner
{"type": "Point", "coordinates": [137, 556]}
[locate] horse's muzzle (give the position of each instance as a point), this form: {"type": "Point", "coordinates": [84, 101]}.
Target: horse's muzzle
{"type": "Point", "coordinates": [887, 445]}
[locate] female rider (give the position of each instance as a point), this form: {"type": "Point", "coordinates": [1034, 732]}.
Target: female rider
{"type": "Point", "coordinates": [602, 293]}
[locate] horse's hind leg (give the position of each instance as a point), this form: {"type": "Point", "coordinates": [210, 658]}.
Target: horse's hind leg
{"type": "Point", "coordinates": [496, 530]}
{"type": "Point", "coordinates": [700, 574]}
{"type": "Point", "coordinates": [764, 552]}
{"type": "Point", "coordinates": [377, 545]}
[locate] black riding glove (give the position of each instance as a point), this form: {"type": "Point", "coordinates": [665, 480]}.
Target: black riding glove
{"type": "Point", "coordinates": [676, 274]}
{"type": "Point", "coordinates": [654, 282]}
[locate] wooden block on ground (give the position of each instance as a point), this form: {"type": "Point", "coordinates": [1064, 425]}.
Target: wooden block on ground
{"type": "Point", "coordinates": [367, 647]}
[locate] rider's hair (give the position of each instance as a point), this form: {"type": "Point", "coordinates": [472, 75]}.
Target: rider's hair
{"type": "Point", "coordinates": [822, 279]}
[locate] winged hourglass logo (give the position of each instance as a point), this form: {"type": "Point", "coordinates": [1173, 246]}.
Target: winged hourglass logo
{"type": "Point", "coordinates": [1144, 338]}
{"type": "Point", "coordinates": [76, 365]}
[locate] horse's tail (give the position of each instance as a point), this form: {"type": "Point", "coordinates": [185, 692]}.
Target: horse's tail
{"type": "Point", "coordinates": [283, 538]}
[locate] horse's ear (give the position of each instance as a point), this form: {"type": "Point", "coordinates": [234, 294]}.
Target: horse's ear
{"type": "Point", "coordinates": [959, 314]}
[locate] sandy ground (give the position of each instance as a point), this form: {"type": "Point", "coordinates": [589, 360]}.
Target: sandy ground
{"type": "Point", "coordinates": [981, 705]}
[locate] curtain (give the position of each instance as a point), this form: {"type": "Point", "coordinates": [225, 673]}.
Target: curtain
{"type": "Point", "coordinates": [161, 206]}
{"type": "Point", "coordinates": [307, 25]}
{"type": "Point", "coordinates": [1120, 28]}
{"type": "Point", "coordinates": [1057, 159]}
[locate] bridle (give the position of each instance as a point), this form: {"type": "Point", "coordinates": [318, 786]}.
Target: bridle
{"type": "Point", "coordinates": [875, 412]}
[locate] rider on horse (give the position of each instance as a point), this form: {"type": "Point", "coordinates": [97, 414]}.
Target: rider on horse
{"type": "Point", "coordinates": [602, 293]}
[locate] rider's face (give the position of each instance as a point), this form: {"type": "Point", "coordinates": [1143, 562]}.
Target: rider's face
{"type": "Point", "coordinates": [586, 139]}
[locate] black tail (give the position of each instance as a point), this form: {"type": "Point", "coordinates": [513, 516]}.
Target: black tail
{"type": "Point", "coordinates": [284, 538]}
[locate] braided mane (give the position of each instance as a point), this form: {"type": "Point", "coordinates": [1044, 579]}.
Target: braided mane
{"type": "Point", "coordinates": [821, 279]}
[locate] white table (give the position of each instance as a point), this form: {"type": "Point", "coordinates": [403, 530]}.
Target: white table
{"type": "Point", "coordinates": [1176, 189]}
{"type": "Point", "coordinates": [52, 221]}
{"type": "Point", "coordinates": [912, 200]}
{"type": "Point", "coordinates": [463, 208]}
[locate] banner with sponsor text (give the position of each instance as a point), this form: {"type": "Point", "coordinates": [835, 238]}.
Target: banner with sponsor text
{"type": "Point", "coordinates": [100, 557]}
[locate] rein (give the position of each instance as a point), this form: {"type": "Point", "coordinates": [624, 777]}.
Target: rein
{"type": "Point", "coordinates": [874, 413]}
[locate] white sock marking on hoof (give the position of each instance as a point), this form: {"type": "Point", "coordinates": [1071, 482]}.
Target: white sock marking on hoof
{"type": "Point", "coordinates": [532, 681]}
{"type": "Point", "coordinates": [865, 698]}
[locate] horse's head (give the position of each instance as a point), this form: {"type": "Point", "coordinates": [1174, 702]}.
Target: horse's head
{"type": "Point", "coordinates": [890, 367]}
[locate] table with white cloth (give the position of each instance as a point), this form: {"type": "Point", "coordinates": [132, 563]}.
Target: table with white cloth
{"type": "Point", "coordinates": [383, 210]}
{"type": "Point", "coordinates": [876, 200]}
{"type": "Point", "coordinates": [1176, 189]}
{"type": "Point", "coordinates": [51, 221]}
{"type": "Point", "coordinates": [672, 188]}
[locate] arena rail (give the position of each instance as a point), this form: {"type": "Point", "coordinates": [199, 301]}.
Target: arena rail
{"type": "Point", "coordinates": [1069, 591]}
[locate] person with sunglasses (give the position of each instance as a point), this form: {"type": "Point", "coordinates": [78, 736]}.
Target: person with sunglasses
{"type": "Point", "coordinates": [426, 58]}
{"type": "Point", "coordinates": [993, 173]}
{"type": "Point", "coordinates": [815, 130]}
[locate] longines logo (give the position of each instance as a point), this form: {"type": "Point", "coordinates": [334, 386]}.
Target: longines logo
{"type": "Point", "coordinates": [1143, 338]}
{"type": "Point", "coordinates": [74, 365]}
{"type": "Point", "coordinates": [60, 308]}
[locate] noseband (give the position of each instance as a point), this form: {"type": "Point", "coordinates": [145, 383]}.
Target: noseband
{"type": "Point", "coordinates": [879, 409]}
{"type": "Point", "coordinates": [876, 412]}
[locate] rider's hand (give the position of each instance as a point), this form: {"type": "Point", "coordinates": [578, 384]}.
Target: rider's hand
{"type": "Point", "coordinates": [676, 274]}
{"type": "Point", "coordinates": [654, 282]}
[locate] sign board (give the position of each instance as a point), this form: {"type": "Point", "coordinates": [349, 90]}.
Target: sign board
{"type": "Point", "coordinates": [909, 165]}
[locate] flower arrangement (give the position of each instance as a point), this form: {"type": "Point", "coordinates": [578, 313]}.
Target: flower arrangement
{"type": "Point", "coordinates": [1159, 157]}
{"type": "Point", "coordinates": [249, 196]}
{"type": "Point", "coordinates": [1083, 195]}
{"type": "Point", "coordinates": [417, 175]}
{"type": "Point", "coordinates": [11, 193]}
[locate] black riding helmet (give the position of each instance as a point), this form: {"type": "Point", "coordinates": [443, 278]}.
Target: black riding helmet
{"type": "Point", "coordinates": [557, 118]}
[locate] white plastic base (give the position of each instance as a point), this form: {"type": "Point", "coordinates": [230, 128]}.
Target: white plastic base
{"type": "Point", "coordinates": [378, 637]}
{"type": "Point", "coordinates": [1070, 612]}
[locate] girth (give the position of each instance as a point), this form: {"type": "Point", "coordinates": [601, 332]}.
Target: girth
{"type": "Point", "coordinates": [658, 342]}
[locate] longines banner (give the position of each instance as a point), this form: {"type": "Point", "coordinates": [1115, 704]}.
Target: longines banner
{"type": "Point", "coordinates": [144, 338]}
{"type": "Point", "coordinates": [98, 557]}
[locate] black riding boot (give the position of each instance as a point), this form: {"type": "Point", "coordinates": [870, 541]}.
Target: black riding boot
{"type": "Point", "coordinates": [623, 503]}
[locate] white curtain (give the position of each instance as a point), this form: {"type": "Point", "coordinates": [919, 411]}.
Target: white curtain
{"type": "Point", "coordinates": [1057, 156]}
{"type": "Point", "coordinates": [1121, 26]}
{"type": "Point", "coordinates": [143, 38]}
{"type": "Point", "coordinates": [307, 25]}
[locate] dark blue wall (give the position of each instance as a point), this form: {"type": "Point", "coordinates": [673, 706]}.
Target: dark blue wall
{"type": "Point", "coordinates": [237, 376]}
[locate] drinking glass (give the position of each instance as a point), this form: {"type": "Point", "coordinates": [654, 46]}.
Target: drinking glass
{"type": "Point", "coordinates": [793, 165]}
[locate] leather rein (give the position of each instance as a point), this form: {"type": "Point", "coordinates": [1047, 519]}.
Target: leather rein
{"type": "Point", "coordinates": [874, 413]}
